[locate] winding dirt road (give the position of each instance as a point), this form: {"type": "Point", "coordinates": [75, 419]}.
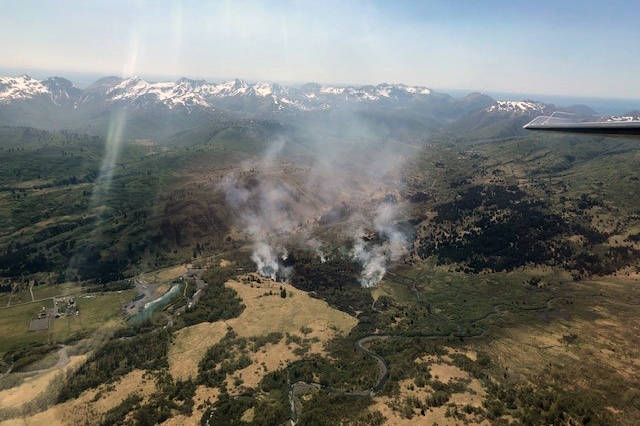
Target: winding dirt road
{"type": "Point", "coordinates": [300, 388]}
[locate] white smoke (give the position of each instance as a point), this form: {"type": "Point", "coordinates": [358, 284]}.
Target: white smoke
{"type": "Point", "coordinates": [373, 261]}
{"type": "Point", "coordinates": [267, 261]}
{"type": "Point", "coordinates": [385, 225]}
{"type": "Point", "coordinates": [375, 257]}
{"type": "Point", "coordinates": [262, 212]}
{"type": "Point", "coordinates": [316, 246]}
{"type": "Point", "coordinates": [341, 174]}
{"type": "Point", "coordinates": [263, 209]}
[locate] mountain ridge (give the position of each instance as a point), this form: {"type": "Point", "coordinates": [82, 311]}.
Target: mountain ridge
{"type": "Point", "coordinates": [190, 93]}
{"type": "Point", "coordinates": [160, 109]}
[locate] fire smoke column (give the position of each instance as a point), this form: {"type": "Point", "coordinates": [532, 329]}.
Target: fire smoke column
{"type": "Point", "coordinates": [265, 259]}
{"type": "Point", "coordinates": [262, 210]}
{"type": "Point", "coordinates": [373, 262]}
{"type": "Point", "coordinates": [374, 258]}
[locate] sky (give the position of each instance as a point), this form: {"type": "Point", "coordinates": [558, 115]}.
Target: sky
{"type": "Point", "coordinates": [577, 47]}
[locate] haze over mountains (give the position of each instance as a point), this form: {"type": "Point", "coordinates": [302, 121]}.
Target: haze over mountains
{"type": "Point", "coordinates": [186, 95]}
{"type": "Point", "coordinates": [163, 110]}
{"type": "Point", "coordinates": [191, 94]}
{"type": "Point", "coordinates": [199, 94]}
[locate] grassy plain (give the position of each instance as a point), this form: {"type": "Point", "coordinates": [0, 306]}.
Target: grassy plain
{"type": "Point", "coordinates": [96, 309]}
{"type": "Point", "coordinates": [14, 325]}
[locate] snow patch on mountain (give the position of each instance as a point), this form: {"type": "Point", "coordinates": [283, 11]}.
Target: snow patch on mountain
{"type": "Point", "coordinates": [189, 94]}
{"type": "Point", "coordinates": [628, 117]}
{"type": "Point", "coordinates": [328, 90]}
{"type": "Point", "coordinates": [517, 106]}
{"type": "Point", "coordinates": [170, 94]}
{"type": "Point", "coordinates": [263, 89]}
{"type": "Point", "coordinates": [235, 87]}
{"type": "Point", "coordinates": [20, 88]}
{"type": "Point", "coordinates": [369, 93]}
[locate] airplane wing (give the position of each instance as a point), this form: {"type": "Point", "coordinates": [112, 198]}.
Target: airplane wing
{"type": "Point", "coordinates": [570, 123]}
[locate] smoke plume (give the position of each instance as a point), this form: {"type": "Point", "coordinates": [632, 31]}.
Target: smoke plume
{"type": "Point", "coordinates": [322, 178]}
{"type": "Point", "coordinates": [375, 257]}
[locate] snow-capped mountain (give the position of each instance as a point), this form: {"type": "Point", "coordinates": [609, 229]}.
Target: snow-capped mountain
{"type": "Point", "coordinates": [631, 116]}
{"type": "Point", "coordinates": [192, 94]}
{"type": "Point", "coordinates": [55, 89]}
{"type": "Point", "coordinates": [382, 91]}
{"type": "Point", "coordinates": [503, 118]}
{"type": "Point", "coordinates": [518, 107]}
{"type": "Point", "coordinates": [137, 91]}
{"type": "Point", "coordinates": [20, 88]}
{"type": "Point", "coordinates": [61, 91]}
{"type": "Point", "coordinates": [157, 109]}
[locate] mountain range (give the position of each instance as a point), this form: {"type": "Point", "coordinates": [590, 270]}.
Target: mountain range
{"type": "Point", "coordinates": [234, 94]}
{"type": "Point", "coordinates": [158, 109]}
{"type": "Point", "coordinates": [193, 94]}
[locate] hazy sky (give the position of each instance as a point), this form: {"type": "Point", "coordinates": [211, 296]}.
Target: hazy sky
{"type": "Point", "coordinates": [581, 47]}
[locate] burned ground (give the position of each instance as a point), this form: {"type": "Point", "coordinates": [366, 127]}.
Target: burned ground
{"type": "Point", "coordinates": [499, 228]}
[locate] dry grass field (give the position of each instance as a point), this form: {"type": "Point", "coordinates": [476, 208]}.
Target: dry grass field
{"type": "Point", "coordinates": [92, 404]}
{"type": "Point", "coordinates": [262, 315]}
